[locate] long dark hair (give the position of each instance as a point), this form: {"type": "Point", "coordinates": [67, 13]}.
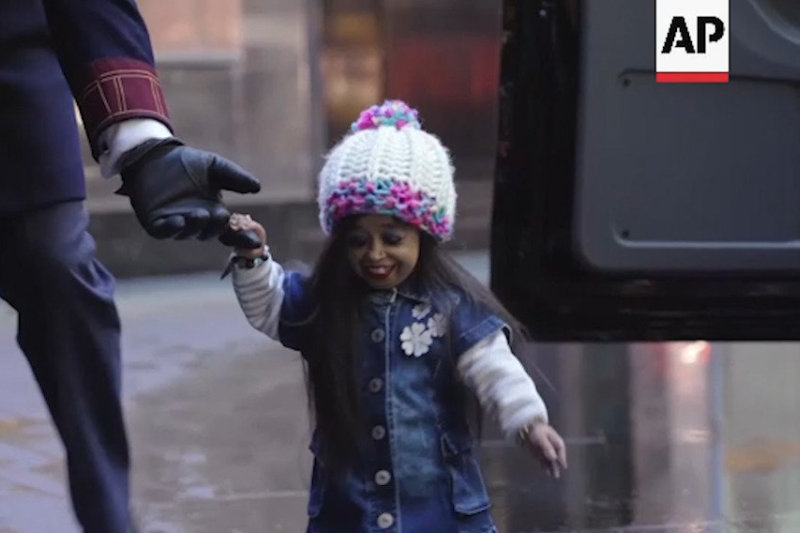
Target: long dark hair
{"type": "Point", "coordinates": [332, 366]}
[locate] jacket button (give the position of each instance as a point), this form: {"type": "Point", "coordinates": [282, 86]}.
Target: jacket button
{"type": "Point", "coordinates": [375, 385]}
{"type": "Point", "coordinates": [377, 335]}
{"type": "Point", "coordinates": [378, 432]}
{"type": "Point", "coordinates": [385, 521]}
{"type": "Point", "coordinates": [383, 477]}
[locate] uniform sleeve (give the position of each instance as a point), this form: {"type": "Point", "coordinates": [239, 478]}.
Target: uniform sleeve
{"type": "Point", "coordinates": [105, 53]}
{"type": "Point", "coordinates": [501, 384]}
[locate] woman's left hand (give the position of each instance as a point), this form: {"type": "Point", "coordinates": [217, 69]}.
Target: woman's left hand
{"type": "Point", "coordinates": [239, 222]}
{"type": "Point", "coordinates": [548, 446]}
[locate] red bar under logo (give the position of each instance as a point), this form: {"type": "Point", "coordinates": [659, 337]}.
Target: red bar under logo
{"type": "Point", "coordinates": [692, 77]}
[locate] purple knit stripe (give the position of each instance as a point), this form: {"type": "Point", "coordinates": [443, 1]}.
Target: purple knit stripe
{"type": "Point", "coordinates": [359, 196]}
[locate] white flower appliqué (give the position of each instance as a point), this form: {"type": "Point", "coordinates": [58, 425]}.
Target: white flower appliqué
{"type": "Point", "coordinates": [420, 311]}
{"type": "Point", "coordinates": [437, 325]}
{"type": "Point", "coordinates": [416, 339]}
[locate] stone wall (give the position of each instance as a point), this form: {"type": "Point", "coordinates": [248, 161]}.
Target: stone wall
{"type": "Point", "coordinates": [238, 80]}
{"type": "Point", "coordinates": [244, 78]}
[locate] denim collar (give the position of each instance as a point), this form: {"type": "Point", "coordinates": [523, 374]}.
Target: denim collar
{"type": "Point", "coordinates": [406, 289]}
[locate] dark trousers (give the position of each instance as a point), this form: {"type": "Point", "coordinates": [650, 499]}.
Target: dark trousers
{"type": "Point", "coordinates": [69, 331]}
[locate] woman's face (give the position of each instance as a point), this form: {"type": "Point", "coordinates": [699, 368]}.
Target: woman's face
{"type": "Point", "coordinates": [382, 250]}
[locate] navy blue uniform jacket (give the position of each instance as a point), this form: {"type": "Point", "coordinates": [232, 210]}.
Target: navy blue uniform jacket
{"type": "Point", "coordinates": [53, 53]}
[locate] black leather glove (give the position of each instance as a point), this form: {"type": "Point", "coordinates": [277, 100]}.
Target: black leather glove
{"type": "Point", "coordinates": [175, 191]}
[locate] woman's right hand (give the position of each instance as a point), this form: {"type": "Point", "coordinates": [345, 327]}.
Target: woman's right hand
{"type": "Point", "coordinates": [240, 222]}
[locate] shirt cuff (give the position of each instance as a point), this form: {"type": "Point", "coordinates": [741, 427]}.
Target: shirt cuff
{"type": "Point", "coordinates": [121, 137]}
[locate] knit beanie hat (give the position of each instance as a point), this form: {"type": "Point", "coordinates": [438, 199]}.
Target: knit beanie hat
{"type": "Point", "coordinates": [387, 165]}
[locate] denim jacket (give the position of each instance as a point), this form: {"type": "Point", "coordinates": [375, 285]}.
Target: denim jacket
{"type": "Point", "coordinates": [420, 473]}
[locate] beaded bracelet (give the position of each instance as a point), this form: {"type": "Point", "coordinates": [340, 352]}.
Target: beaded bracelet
{"type": "Point", "coordinates": [245, 263]}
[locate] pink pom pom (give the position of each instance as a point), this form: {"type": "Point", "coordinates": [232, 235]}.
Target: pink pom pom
{"type": "Point", "coordinates": [394, 113]}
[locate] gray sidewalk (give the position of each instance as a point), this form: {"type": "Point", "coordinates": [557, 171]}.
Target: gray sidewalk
{"type": "Point", "coordinates": [660, 440]}
{"type": "Point", "coordinates": [216, 414]}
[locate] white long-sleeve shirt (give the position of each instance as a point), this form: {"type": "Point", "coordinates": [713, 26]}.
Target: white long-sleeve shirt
{"type": "Point", "coordinates": [488, 368]}
{"type": "Point", "coordinates": [118, 138]}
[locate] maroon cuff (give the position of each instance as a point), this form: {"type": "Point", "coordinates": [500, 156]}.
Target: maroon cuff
{"type": "Point", "coordinates": [118, 89]}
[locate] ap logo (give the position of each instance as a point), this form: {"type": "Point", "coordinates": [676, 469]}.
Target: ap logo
{"type": "Point", "coordinates": [692, 40]}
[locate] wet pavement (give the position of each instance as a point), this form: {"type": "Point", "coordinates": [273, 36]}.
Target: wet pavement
{"type": "Point", "coordinates": [216, 416]}
{"type": "Point", "coordinates": [673, 437]}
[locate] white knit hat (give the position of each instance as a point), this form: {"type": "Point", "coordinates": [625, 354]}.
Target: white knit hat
{"type": "Point", "coordinates": [388, 165]}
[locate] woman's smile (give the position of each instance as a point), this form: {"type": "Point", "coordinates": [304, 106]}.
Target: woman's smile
{"type": "Point", "coordinates": [383, 250]}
